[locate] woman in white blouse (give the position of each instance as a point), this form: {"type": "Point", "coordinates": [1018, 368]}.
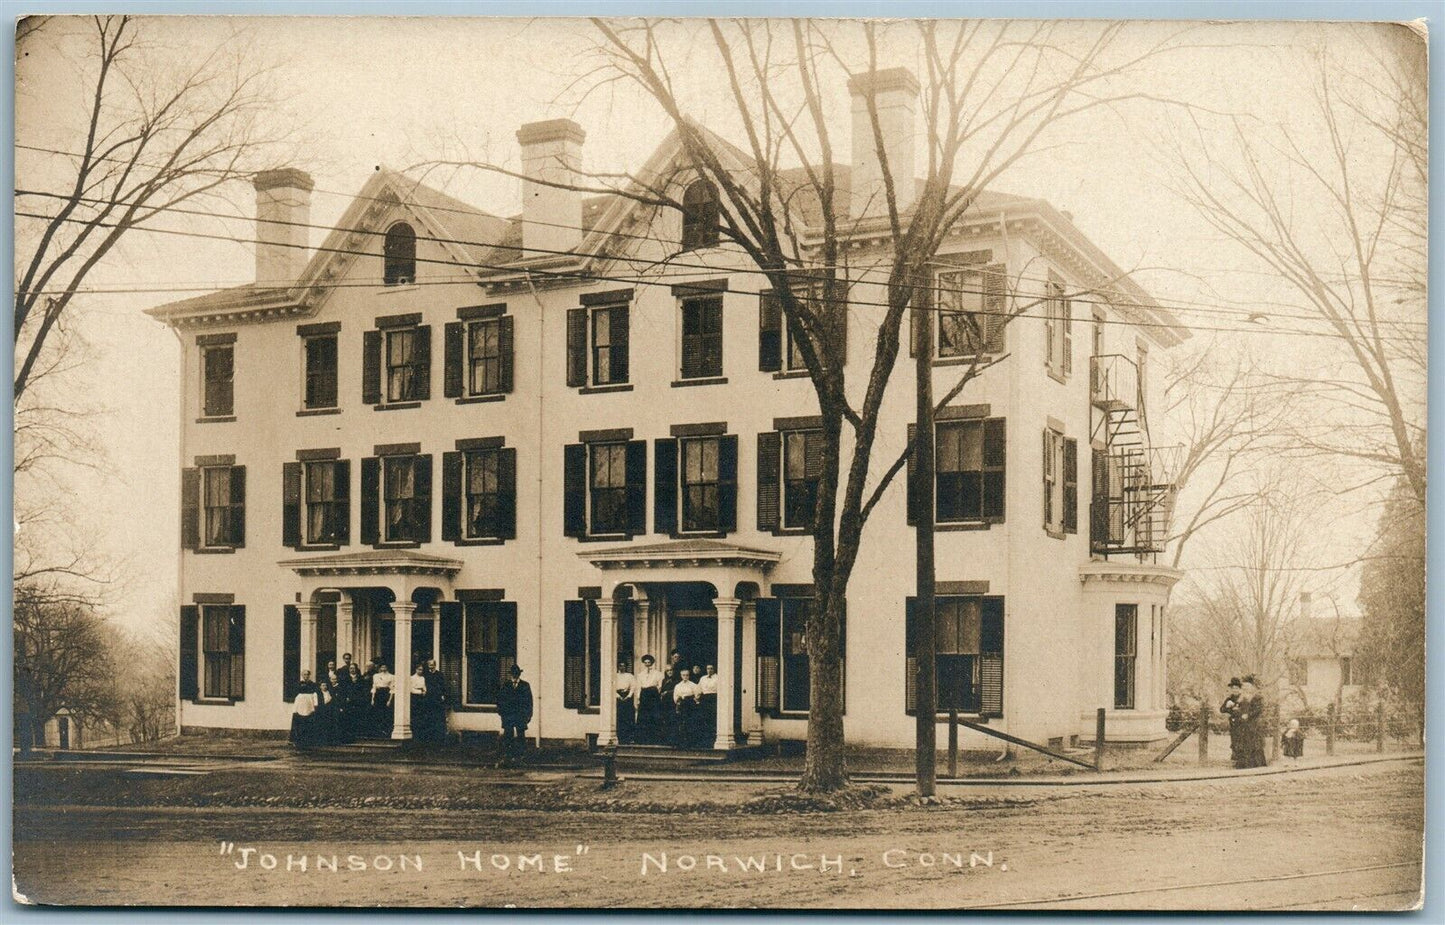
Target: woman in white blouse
{"type": "Point", "coordinates": [383, 683]}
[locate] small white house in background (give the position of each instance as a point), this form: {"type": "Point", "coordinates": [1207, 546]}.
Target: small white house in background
{"type": "Point", "coordinates": [1321, 668]}
{"type": "Point", "coordinates": [66, 731]}
{"type": "Point", "coordinates": [574, 436]}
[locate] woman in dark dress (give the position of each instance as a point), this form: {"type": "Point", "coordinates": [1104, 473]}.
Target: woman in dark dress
{"type": "Point", "coordinates": [354, 705]}
{"type": "Point", "coordinates": [626, 703]}
{"type": "Point", "coordinates": [326, 717]}
{"type": "Point", "coordinates": [649, 702]}
{"type": "Point", "coordinates": [666, 728]}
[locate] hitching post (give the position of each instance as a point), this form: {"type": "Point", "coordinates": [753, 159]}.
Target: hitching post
{"type": "Point", "coordinates": [1204, 732]}
{"type": "Point", "coordinates": [609, 768]}
{"type": "Point", "coordinates": [1099, 740]}
{"type": "Point", "coordinates": [952, 743]}
{"type": "Point", "coordinates": [1330, 719]}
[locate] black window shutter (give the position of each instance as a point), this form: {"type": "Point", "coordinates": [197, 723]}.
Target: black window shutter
{"type": "Point", "coordinates": [727, 476]}
{"type": "Point", "coordinates": [636, 487]}
{"type": "Point", "coordinates": [1048, 462]}
{"type": "Point", "coordinates": [188, 674]}
{"type": "Point", "coordinates": [769, 648]}
{"type": "Point", "coordinates": [505, 340]}
{"type": "Point", "coordinates": [371, 502]}
{"type": "Point", "coordinates": [343, 502]}
{"type": "Point", "coordinates": [910, 663]}
{"type": "Point", "coordinates": [450, 614]}
{"type": "Point", "coordinates": [574, 654]}
{"type": "Point", "coordinates": [238, 506]}
{"type": "Point", "coordinates": [576, 346]}
{"type": "Point", "coordinates": [574, 489]}
{"type": "Point", "coordinates": [423, 362]}
{"type": "Point", "coordinates": [664, 493]}
{"type": "Point", "coordinates": [423, 497]}
{"type": "Point", "coordinates": [238, 652]}
{"type": "Point", "coordinates": [190, 508]}
{"type": "Point", "coordinates": [990, 671]}
{"type": "Point", "coordinates": [620, 330]}
{"type": "Point", "coordinates": [371, 368]}
{"type": "Point", "coordinates": [995, 305]}
{"type": "Point", "coordinates": [507, 486]}
{"type": "Point", "coordinates": [290, 652]}
{"type": "Point", "coordinates": [995, 449]}
{"type": "Point", "coordinates": [453, 344]}
{"type": "Point", "coordinates": [451, 497]}
{"type": "Point", "coordinates": [770, 333]}
{"type": "Point", "coordinates": [1071, 485]}
{"type": "Point", "coordinates": [769, 472]}
{"type": "Point", "coordinates": [291, 505]}
{"type": "Point", "coordinates": [912, 477]}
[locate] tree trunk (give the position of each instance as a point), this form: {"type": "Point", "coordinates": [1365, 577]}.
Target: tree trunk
{"type": "Point", "coordinates": [824, 767]}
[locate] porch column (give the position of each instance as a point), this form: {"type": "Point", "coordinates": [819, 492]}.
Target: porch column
{"type": "Point", "coordinates": [641, 633]}
{"type": "Point", "coordinates": [345, 633]}
{"type": "Point", "coordinates": [436, 632]}
{"type": "Point", "coordinates": [308, 612]}
{"type": "Point", "coordinates": [401, 699]}
{"type": "Point", "coordinates": [752, 722]}
{"type": "Point", "coordinates": [607, 697]}
{"type": "Point", "coordinates": [727, 618]}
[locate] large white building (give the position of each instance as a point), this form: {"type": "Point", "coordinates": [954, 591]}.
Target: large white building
{"type": "Point", "coordinates": [493, 441]}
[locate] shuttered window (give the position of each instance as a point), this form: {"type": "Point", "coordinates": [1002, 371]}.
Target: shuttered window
{"type": "Point", "coordinates": [321, 356]}
{"type": "Point", "coordinates": [609, 345]}
{"type": "Point", "coordinates": [970, 308]}
{"type": "Point", "coordinates": [701, 489]}
{"type": "Point", "coordinates": [702, 343]}
{"type": "Point", "coordinates": [406, 499]}
{"type": "Point", "coordinates": [406, 368]}
{"type": "Point", "coordinates": [489, 356]}
{"type": "Point", "coordinates": [218, 380]}
{"type": "Point", "coordinates": [607, 488]}
{"type": "Point", "coordinates": [784, 672]}
{"type": "Point", "coordinates": [1058, 330]}
{"type": "Point", "coordinates": [490, 638]}
{"type": "Point", "coordinates": [968, 655]}
{"type": "Point", "coordinates": [328, 502]}
{"type": "Point", "coordinates": [699, 215]}
{"type": "Point", "coordinates": [802, 469]}
{"type": "Point", "coordinates": [970, 458]}
{"type": "Point", "coordinates": [223, 650]}
{"type": "Point", "coordinates": [223, 507]}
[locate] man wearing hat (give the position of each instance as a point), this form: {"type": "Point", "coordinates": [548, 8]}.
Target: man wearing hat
{"type": "Point", "coordinates": [1230, 708]}
{"type": "Point", "coordinates": [514, 705]}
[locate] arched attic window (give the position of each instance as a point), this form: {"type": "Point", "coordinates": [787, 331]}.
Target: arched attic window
{"type": "Point", "coordinates": [399, 251]}
{"type": "Point", "coordinates": [699, 215]}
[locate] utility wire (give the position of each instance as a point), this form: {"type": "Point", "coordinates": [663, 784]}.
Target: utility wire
{"type": "Point", "coordinates": [640, 281]}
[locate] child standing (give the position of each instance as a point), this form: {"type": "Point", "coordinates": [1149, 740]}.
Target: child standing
{"type": "Point", "coordinates": [1293, 741]}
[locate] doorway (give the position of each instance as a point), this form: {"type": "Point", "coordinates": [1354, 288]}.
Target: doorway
{"type": "Point", "coordinates": [384, 642]}
{"type": "Point", "coordinates": [695, 638]}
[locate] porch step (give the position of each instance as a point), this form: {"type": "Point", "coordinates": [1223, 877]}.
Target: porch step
{"type": "Point", "coordinates": [667, 756]}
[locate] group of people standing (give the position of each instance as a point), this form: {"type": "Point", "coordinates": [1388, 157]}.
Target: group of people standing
{"type": "Point", "coordinates": [350, 703]}
{"type": "Point", "coordinates": [676, 706]}
{"type": "Point", "coordinates": [1248, 723]}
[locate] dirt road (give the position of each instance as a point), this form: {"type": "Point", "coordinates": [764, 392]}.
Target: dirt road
{"type": "Point", "coordinates": [1343, 838]}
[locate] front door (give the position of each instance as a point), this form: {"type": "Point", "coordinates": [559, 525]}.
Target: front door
{"type": "Point", "coordinates": [421, 643]}
{"type": "Point", "coordinates": [695, 639]}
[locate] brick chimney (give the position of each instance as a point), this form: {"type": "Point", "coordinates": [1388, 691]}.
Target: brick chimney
{"type": "Point", "coordinates": [551, 217]}
{"type": "Point", "coordinates": [895, 91]}
{"type": "Point", "coordinates": [283, 212]}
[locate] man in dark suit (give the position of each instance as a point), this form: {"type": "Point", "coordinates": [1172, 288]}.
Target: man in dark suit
{"type": "Point", "coordinates": [438, 698]}
{"type": "Point", "coordinates": [514, 705]}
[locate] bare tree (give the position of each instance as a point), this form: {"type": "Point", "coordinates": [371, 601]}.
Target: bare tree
{"type": "Point", "coordinates": [1331, 201]}
{"type": "Point", "coordinates": [989, 92]}
{"type": "Point", "coordinates": [63, 660]}
{"type": "Point", "coordinates": [153, 135]}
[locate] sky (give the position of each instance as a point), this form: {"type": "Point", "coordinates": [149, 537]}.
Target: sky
{"type": "Point", "coordinates": [354, 94]}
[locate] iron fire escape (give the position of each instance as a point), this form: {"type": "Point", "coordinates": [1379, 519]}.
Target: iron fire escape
{"type": "Point", "coordinates": [1133, 481]}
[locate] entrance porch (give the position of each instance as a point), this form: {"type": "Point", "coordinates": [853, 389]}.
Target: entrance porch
{"type": "Point", "coordinates": [696, 598]}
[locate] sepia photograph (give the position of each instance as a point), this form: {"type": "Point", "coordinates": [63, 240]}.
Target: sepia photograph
{"type": "Point", "coordinates": [719, 463]}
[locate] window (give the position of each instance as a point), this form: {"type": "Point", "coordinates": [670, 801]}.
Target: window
{"type": "Point", "coordinates": [970, 479]}
{"type": "Point", "coordinates": [778, 350]}
{"type": "Point", "coordinates": [802, 468]}
{"type": "Point", "coordinates": [968, 654]}
{"type": "Point", "coordinates": [320, 352]}
{"type": "Point", "coordinates": [702, 343]}
{"type": "Point", "coordinates": [326, 502]}
{"type": "Point", "coordinates": [784, 683]}
{"type": "Point", "coordinates": [970, 312]}
{"type": "Point", "coordinates": [597, 345]}
{"type": "Point", "coordinates": [491, 649]}
{"type": "Point", "coordinates": [218, 376]}
{"type": "Point", "coordinates": [1126, 641]}
{"type": "Point", "coordinates": [404, 366]}
{"type": "Point", "coordinates": [1058, 330]}
{"type": "Point", "coordinates": [404, 502]}
{"type": "Point", "coordinates": [484, 357]}
{"type": "Point", "coordinates": [701, 486]}
{"type": "Point", "coordinates": [484, 494]}
{"type": "Point", "coordinates": [699, 215]}
{"type": "Point", "coordinates": [399, 251]}
{"type": "Point", "coordinates": [1061, 483]}
{"type": "Point", "coordinates": [223, 512]}
{"type": "Point", "coordinates": [607, 488]}
{"type": "Point", "coordinates": [582, 651]}
{"type": "Point", "coordinates": [223, 643]}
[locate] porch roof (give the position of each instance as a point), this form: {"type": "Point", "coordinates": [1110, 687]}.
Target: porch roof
{"type": "Point", "coordinates": [688, 553]}
{"type": "Point", "coordinates": [373, 562]}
